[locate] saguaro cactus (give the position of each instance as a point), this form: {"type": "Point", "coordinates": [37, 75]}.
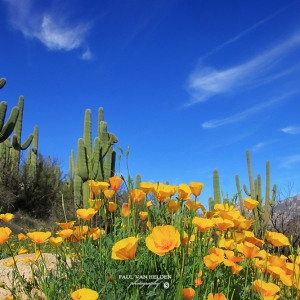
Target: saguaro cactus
{"type": "Point", "coordinates": [34, 152]}
{"type": "Point", "coordinates": [93, 163]}
{"type": "Point", "coordinates": [262, 211]}
{"type": "Point", "coordinates": [15, 144]}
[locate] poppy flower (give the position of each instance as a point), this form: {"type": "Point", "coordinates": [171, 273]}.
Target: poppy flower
{"type": "Point", "coordinates": [149, 204]}
{"type": "Point", "coordinates": [203, 224]}
{"type": "Point", "coordinates": [212, 260]}
{"type": "Point", "coordinates": [22, 237]}
{"type": "Point", "coordinates": [125, 249]}
{"type": "Point", "coordinates": [163, 239]}
{"type": "Point", "coordinates": [95, 204]}
{"type": "Point", "coordinates": [248, 249]}
{"type": "Point", "coordinates": [173, 206]}
{"type": "Point", "coordinates": [109, 193]}
{"type": "Point", "coordinates": [98, 186]}
{"type": "Point", "coordinates": [188, 293]}
{"type": "Point", "coordinates": [137, 195]}
{"type": "Point", "coordinates": [125, 210]}
{"type": "Point", "coordinates": [250, 203]}
{"type": "Point", "coordinates": [66, 225]}
{"type": "Point", "coordinates": [267, 290]}
{"type": "Point", "coordinates": [84, 294]}
{"type": "Point", "coordinates": [111, 206]}
{"type": "Point", "coordinates": [39, 237]}
{"type": "Point", "coordinates": [146, 187]}
{"type": "Point", "coordinates": [219, 296]}
{"type": "Point", "coordinates": [162, 191]}
{"type": "Point", "coordinates": [223, 224]}
{"type": "Point", "coordinates": [6, 217]}
{"type": "Point", "coordinates": [198, 280]}
{"type": "Point", "coordinates": [86, 213]}
{"type": "Point", "coordinates": [65, 233]}
{"type": "Point", "coordinates": [277, 239]}
{"type": "Point", "coordinates": [4, 234]}
{"type": "Point", "coordinates": [196, 188]}
{"type": "Point", "coordinates": [184, 192]}
{"type": "Point", "coordinates": [193, 205]}
{"type": "Point", "coordinates": [115, 182]}
{"type": "Point", "coordinates": [55, 242]}
{"type": "Point", "coordinates": [143, 215]}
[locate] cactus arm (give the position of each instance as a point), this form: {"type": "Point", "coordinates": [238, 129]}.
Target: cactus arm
{"type": "Point", "coordinates": [252, 189]}
{"type": "Point", "coordinates": [87, 132]}
{"type": "Point", "coordinates": [241, 200]}
{"type": "Point", "coordinates": [138, 180]}
{"type": "Point", "coordinates": [82, 163]}
{"type": "Point", "coordinates": [2, 83]}
{"type": "Point", "coordinates": [9, 126]}
{"type": "Point", "coordinates": [216, 183]}
{"type": "Point", "coordinates": [27, 143]}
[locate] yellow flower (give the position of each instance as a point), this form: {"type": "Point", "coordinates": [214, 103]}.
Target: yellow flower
{"type": "Point", "coordinates": [22, 250]}
{"type": "Point", "coordinates": [137, 195]}
{"type": "Point", "coordinates": [95, 204]}
{"type": "Point", "coordinates": [84, 294]}
{"type": "Point", "coordinates": [277, 239]}
{"type": "Point", "coordinates": [143, 215]}
{"type": "Point", "coordinates": [196, 188]}
{"type": "Point", "coordinates": [55, 242]}
{"type": "Point", "coordinates": [188, 293]}
{"type": "Point", "coordinates": [267, 290]}
{"type": "Point", "coordinates": [212, 260]}
{"type": "Point", "coordinates": [125, 249]}
{"type": "Point", "coordinates": [65, 225]}
{"type": "Point", "coordinates": [219, 296]}
{"type": "Point", "coordinates": [11, 263]}
{"type": "Point", "coordinates": [250, 203]}
{"type": "Point", "coordinates": [223, 224]}
{"type": "Point", "coordinates": [173, 206]}
{"type": "Point", "coordinates": [198, 280]}
{"type": "Point", "coordinates": [65, 233]}
{"type": "Point", "coordinates": [184, 191]}
{"type": "Point", "coordinates": [109, 193]}
{"type": "Point", "coordinates": [149, 204]}
{"type": "Point", "coordinates": [146, 187]}
{"type": "Point", "coordinates": [115, 182]}
{"type": "Point", "coordinates": [193, 205]}
{"type": "Point", "coordinates": [39, 237]}
{"type": "Point", "coordinates": [111, 206]}
{"type": "Point", "coordinates": [6, 217]}
{"type": "Point", "coordinates": [203, 224]}
{"type": "Point", "coordinates": [86, 213]}
{"type": "Point", "coordinates": [9, 298]}
{"type": "Point", "coordinates": [98, 187]}
{"type": "Point", "coordinates": [248, 249]}
{"type": "Point", "coordinates": [22, 237]}
{"type": "Point", "coordinates": [163, 239]}
{"type": "Point", "coordinates": [125, 210]}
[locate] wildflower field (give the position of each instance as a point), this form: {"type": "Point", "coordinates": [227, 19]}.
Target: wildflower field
{"type": "Point", "coordinates": [159, 244]}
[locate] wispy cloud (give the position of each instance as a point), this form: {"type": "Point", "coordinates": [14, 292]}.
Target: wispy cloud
{"type": "Point", "coordinates": [261, 145]}
{"type": "Point", "coordinates": [50, 27]}
{"type": "Point", "coordinates": [289, 161]}
{"type": "Point", "coordinates": [244, 114]}
{"type": "Point", "coordinates": [87, 55]}
{"type": "Point", "coordinates": [291, 129]}
{"type": "Point", "coordinates": [206, 82]}
{"type": "Point", "coordinates": [248, 30]}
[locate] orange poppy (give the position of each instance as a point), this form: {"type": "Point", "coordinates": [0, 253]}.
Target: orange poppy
{"type": "Point", "coordinates": [115, 182]}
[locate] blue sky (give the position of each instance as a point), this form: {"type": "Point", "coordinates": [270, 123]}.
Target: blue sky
{"type": "Point", "coordinates": [188, 85]}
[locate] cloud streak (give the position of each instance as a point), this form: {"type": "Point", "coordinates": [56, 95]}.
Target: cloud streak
{"type": "Point", "coordinates": [289, 161]}
{"type": "Point", "coordinates": [291, 129]}
{"type": "Point", "coordinates": [245, 32]}
{"type": "Point", "coordinates": [50, 28]}
{"type": "Point", "coordinates": [243, 115]}
{"type": "Point", "coordinates": [206, 82]}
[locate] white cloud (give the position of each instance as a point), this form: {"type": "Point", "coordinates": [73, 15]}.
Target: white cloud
{"type": "Point", "coordinates": [87, 55]}
{"type": "Point", "coordinates": [206, 82]}
{"type": "Point", "coordinates": [50, 27]}
{"type": "Point", "coordinates": [289, 161]}
{"type": "Point", "coordinates": [291, 129]}
{"type": "Point", "coordinates": [244, 114]}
